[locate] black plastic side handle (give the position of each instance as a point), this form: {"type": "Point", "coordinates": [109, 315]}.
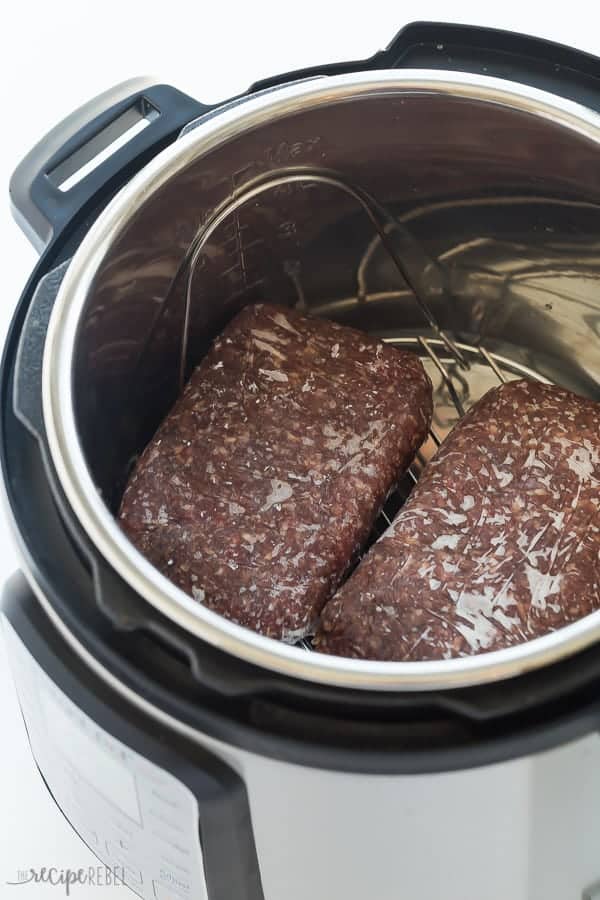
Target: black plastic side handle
{"type": "Point", "coordinates": [94, 149]}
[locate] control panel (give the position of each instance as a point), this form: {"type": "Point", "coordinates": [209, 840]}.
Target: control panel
{"type": "Point", "coordinates": [133, 815]}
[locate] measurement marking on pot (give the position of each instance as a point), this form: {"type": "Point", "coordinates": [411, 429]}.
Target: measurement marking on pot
{"type": "Point", "coordinates": [283, 152]}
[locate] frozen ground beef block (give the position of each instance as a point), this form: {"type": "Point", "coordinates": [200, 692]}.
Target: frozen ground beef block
{"type": "Point", "coordinates": [263, 482]}
{"type": "Point", "coordinates": [499, 542]}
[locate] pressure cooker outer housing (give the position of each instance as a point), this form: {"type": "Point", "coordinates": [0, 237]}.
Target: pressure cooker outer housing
{"type": "Point", "coordinates": [115, 603]}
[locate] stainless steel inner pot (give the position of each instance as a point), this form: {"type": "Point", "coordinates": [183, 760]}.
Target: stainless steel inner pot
{"type": "Point", "coordinates": [498, 187]}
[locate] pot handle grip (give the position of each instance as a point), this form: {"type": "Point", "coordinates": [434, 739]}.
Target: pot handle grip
{"type": "Point", "coordinates": [96, 148]}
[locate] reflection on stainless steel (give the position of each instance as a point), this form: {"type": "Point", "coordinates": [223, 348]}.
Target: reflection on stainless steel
{"type": "Point", "coordinates": [426, 277]}
{"type": "Point", "coordinates": [422, 273]}
{"type": "Point", "coordinates": [495, 187]}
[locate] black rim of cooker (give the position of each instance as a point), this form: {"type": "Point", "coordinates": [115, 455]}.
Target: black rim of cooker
{"type": "Point", "coordinates": [222, 696]}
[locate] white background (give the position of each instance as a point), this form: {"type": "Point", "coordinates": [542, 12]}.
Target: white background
{"type": "Point", "coordinates": [55, 56]}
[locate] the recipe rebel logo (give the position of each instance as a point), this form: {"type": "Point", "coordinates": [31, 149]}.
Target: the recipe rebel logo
{"type": "Point", "coordinates": [69, 879]}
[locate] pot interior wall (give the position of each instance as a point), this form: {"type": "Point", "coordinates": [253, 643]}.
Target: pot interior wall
{"type": "Point", "coordinates": [507, 202]}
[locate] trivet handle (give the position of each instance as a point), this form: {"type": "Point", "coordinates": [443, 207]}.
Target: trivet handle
{"type": "Point", "coordinates": [95, 149]}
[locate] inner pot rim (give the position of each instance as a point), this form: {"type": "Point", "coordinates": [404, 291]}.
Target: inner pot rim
{"type": "Point", "coordinates": [67, 453]}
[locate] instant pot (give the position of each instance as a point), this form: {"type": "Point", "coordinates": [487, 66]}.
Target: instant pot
{"type": "Point", "coordinates": [205, 760]}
